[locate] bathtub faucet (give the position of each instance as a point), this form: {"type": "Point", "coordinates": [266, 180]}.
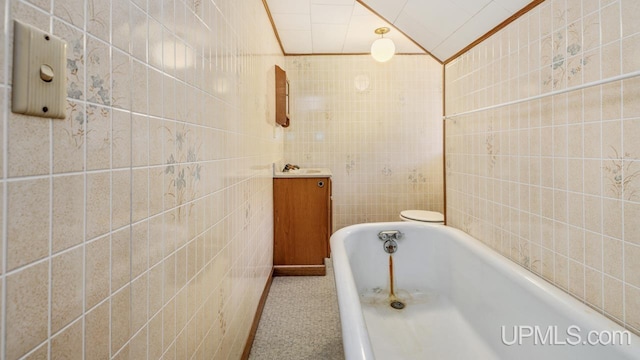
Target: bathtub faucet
{"type": "Point", "coordinates": [389, 237]}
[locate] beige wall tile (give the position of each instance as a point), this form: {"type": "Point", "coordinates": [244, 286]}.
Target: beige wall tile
{"type": "Point", "coordinates": [97, 265]}
{"type": "Point", "coordinates": [169, 265]}
{"type": "Point", "coordinates": [66, 287]}
{"type": "Point", "coordinates": [123, 354]}
{"type": "Point", "coordinates": [68, 212]}
{"type": "Point", "coordinates": [41, 353]}
{"type": "Point", "coordinates": [593, 213]}
{"type": "Point", "coordinates": [120, 258]}
{"type": "Point", "coordinates": [612, 213]}
{"type": "Point", "coordinates": [181, 310]}
{"type": "Point", "coordinates": [156, 277]}
{"type": "Point", "coordinates": [138, 345]}
{"type": "Point", "coordinates": [67, 344]}
{"type": "Point", "coordinates": [155, 337]}
{"type": "Point", "coordinates": [156, 190]}
{"type": "Point", "coordinates": [632, 264]}
{"type": "Point", "coordinates": [632, 308]}
{"type": "Point", "coordinates": [96, 332]}
{"type": "Point", "coordinates": [139, 248]}
{"type": "Point", "coordinates": [576, 279]}
{"type": "Point", "coordinates": [593, 288]}
{"type": "Point", "coordinates": [631, 94]}
{"type": "Point", "coordinates": [27, 221]}
{"type": "Point", "coordinates": [630, 11]}
{"type": "Point", "coordinates": [139, 303]}
{"type": "Point", "coordinates": [181, 267]}
{"type": "Point", "coordinates": [613, 297]}
{"type": "Point", "coordinates": [630, 223]}
{"type": "Point", "coordinates": [631, 132]}
{"type": "Point", "coordinates": [155, 240]}
{"type": "Point", "coordinates": [120, 318]}
{"type": "Point", "coordinates": [561, 275]}
{"type": "Point", "coordinates": [140, 195]}
{"type": "Point", "coordinates": [140, 140]}
{"type": "Point", "coordinates": [120, 198]}
{"type": "Point", "coordinates": [28, 146]}
{"type": "Point", "coordinates": [99, 137]}
{"type": "Point", "coordinates": [26, 319]}
{"type": "Point", "coordinates": [138, 78]}
{"type": "Point", "coordinates": [611, 55]}
{"type": "Point", "coordinates": [610, 23]}
{"type": "Point", "coordinates": [169, 324]}
{"type": "Point", "coordinates": [156, 131]}
{"type": "Point", "coordinates": [612, 257]}
{"type": "Point", "coordinates": [98, 204]}
{"type": "Point", "coordinates": [593, 177]}
{"type": "Point", "coordinates": [121, 133]}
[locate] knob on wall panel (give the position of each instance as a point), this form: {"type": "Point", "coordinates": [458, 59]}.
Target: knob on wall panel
{"type": "Point", "coordinates": [39, 77]}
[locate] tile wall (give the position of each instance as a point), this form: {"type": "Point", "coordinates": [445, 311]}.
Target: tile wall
{"type": "Point", "coordinates": [140, 227]}
{"type": "Point", "coordinates": [377, 126]}
{"type": "Point", "coordinates": [554, 183]}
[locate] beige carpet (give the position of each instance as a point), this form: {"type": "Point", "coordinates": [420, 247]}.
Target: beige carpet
{"type": "Point", "coordinates": [300, 320]}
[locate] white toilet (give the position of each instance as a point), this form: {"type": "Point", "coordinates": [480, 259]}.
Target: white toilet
{"type": "Point", "coordinates": [431, 217]}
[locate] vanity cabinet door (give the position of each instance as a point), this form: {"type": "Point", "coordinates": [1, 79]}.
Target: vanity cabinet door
{"type": "Point", "coordinates": [301, 221]}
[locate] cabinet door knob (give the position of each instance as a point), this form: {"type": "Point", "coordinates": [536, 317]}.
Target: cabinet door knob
{"type": "Point", "coordinates": [320, 183]}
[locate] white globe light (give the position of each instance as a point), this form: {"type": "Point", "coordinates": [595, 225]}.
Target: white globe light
{"type": "Point", "coordinates": [383, 49]}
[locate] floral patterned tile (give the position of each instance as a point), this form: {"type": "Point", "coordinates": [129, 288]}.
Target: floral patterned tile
{"type": "Point", "coordinates": [98, 137]}
{"type": "Point", "coordinates": [69, 139]}
{"type": "Point", "coordinates": [75, 59]}
{"type": "Point", "coordinates": [98, 85]}
{"type": "Point", "coordinates": [99, 18]}
{"type": "Point", "coordinates": [72, 11]}
{"type": "Point", "coordinates": [121, 80]}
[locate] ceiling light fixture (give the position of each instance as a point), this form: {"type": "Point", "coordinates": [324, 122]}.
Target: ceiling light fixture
{"type": "Point", "coordinates": [382, 49]}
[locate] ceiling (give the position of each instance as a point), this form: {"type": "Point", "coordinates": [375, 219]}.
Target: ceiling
{"type": "Point", "coordinates": [439, 27]}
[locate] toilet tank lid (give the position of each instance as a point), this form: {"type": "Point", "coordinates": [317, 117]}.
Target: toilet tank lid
{"type": "Point", "coordinates": [423, 215]}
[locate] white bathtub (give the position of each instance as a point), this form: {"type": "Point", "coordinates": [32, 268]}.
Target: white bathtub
{"type": "Point", "coordinates": [463, 301]}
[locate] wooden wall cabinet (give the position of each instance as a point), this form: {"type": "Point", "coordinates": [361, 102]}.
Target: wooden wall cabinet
{"type": "Point", "coordinates": [302, 225]}
{"type": "Point", "coordinates": [282, 98]}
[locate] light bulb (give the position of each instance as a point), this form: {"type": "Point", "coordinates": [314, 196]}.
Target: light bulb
{"type": "Point", "coordinates": [382, 49]}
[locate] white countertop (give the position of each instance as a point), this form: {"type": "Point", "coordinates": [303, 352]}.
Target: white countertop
{"type": "Point", "coordinates": [303, 173]}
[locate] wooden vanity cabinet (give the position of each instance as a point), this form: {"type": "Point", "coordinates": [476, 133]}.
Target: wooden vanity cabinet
{"type": "Point", "coordinates": [302, 225]}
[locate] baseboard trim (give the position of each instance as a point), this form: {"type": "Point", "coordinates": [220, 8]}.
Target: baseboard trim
{"type": "Point", "coordinates": [299, 270]}
{"type": "Point", "coordinates": [257, 316]}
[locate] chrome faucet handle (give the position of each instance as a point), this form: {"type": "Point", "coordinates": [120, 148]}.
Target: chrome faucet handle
{"type": "Point", "coordinates": [390, 235]}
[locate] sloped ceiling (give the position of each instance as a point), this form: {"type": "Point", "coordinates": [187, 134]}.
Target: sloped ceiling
{"type": "Point", "coordinates": [439, 27]}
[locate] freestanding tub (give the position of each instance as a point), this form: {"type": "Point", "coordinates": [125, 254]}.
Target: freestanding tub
{"type": "Point", "coordinates": [463, 301]}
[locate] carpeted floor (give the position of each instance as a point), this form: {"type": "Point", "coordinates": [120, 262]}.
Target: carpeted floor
{"type": "Point", "coordinates": [300, 320]}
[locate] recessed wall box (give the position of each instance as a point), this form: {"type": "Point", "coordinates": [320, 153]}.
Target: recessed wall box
{"type": "Point", "coordinates": [39, 73]}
